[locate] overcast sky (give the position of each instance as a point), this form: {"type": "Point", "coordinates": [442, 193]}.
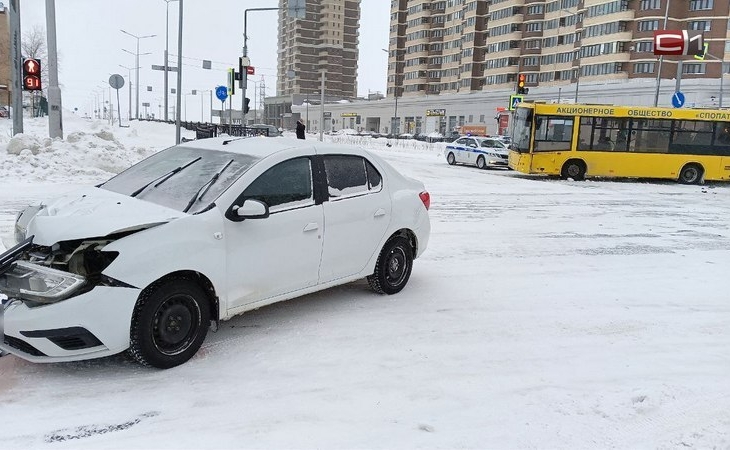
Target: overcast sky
{"type": "Point", "coordinates": [90, 45]}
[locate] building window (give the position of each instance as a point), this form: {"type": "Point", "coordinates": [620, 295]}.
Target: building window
{"type": "Point", "coordinates": [650, 4]}
{"type": "Point", "coordinates": [647, 67]}
{"type": "Point", "coordinates": [648, 25]}
{"type": "Point", "coordinates": [699, 25]}
{"type": "Point", "coordinates": [693, 68]}
{"type": "Point", "coordinates": [645, 46]}
{"type": "Point", "coordinates": [696, 5]}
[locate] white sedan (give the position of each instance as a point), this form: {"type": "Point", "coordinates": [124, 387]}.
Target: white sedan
{"type": "Point", "coordinates": [482, 152]}
{"type": "Point", "coordinates": [196, 234]}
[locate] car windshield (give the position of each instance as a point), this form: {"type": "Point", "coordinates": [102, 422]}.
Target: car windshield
{"type": "Point", "coordinates": [178, 188]}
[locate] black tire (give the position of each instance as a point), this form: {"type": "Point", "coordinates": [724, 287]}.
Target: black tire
{"type": "Point", "coordinates": [182, 307]}
{"type": "Point", "coordinates": [691, 174]}
{"type": "Point", "coordinates": [393, 268]}
{"type": "Point", "coordinates": [574, 169]}
{"type": "Point", "coordinates": [481, 163]}
{"type": "Point", "coordinates": [451, 159]}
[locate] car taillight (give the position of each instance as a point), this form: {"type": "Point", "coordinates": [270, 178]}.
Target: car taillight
{"type": "Point", "coordinates": [426, 199]}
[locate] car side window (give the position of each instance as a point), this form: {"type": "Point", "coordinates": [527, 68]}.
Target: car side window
{"type": "Point", "coordinates": [286, 185]}
{"type": "Point", "coordinates": [462, 141]}
{"type": "Point", "coordinates": [488, 143]}
{"type": "Point", "coordinates": [375, 181]}
{"type": "Point", "coordinates": [349, 175]}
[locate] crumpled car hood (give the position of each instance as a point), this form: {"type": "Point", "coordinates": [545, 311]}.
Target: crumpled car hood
{"type": "Point", "coordinates": [94, 212]}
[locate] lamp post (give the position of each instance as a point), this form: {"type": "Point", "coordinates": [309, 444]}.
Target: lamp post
{"type": "Point", "coordinates": [136, 63]}
{"type": "Point", "coordinates": [167, 49]}
{"type": "Point", "coordinates": [395, 125]}
{"type": "Point", "coordinates": [577, 73]}
{"type": "Point", "coordinates": [661, 60]}
{"type": "Point", "coordinates": [129, 77]}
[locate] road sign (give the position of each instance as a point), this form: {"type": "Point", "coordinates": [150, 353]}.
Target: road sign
{"type": "Point", "coordinates": [678, 42]}
{"type": "Point", "coordinates": [116, 81]}
{"type": "Point", "coordinates": [169, 68]}
{"type": "Point", "coordinates": [704, 52]}
{"type": "Point", "coordinates": [678, 99]}
{"type": "Point", "coordinates": [250, 70]}
{"type": "Point", "coordinates": [222, 93]}
{"type": "Point", "coordinates": [515, 100]}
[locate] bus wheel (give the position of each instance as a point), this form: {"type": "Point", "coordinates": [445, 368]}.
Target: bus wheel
{"type": "Point", "coordinates": [690, 174]}
{"type": "Point", "coordinates": [575, 169]}
{"type": "Point", "coordinates": [451, 159]}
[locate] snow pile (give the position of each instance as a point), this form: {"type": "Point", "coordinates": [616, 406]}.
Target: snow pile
{"type": "Point", "coordinates": [91, 151]}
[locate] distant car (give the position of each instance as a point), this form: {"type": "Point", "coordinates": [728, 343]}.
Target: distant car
{"type": "Point", "coordinates": [482, 152]}
{"type": "Point", "coordinates": [198, 233]}
{"type": "Point", "coordinates": [272, 130]}
{"type": "Point", "coordinates": [505, 139]}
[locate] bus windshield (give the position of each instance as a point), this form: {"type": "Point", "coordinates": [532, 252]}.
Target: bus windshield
{"type": "Point", "coordinates": [522, 130]}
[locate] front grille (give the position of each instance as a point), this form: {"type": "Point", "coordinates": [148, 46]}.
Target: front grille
{"type": "Point", "coordinates": [21, 345]}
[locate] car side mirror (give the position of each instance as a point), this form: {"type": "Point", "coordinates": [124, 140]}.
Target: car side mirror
{"type": "Point", "coordinates": [252, 209]}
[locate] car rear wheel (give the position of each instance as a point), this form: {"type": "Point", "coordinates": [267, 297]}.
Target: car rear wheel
{"type": "Point", "coordinates": [481, 163]}
{"type": "Point", "coordinates": [451, 159]}
{"type": "Point", "coordinates": [169, 323]}
{"type": "Point", "coordinates": [393, 268]}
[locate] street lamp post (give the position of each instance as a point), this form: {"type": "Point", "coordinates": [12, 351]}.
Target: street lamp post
{"type": "Point", "coordinates": [661, 60]}
{"type": "Point", "coordinates": [167, 50]}
{"type": "Point", "coordinates": [136, 63]}
{"type": "Point", "coordinates": [394, 126]}
{"type": "Point", "coordinates": [577, 73]}
{"type": "Point", "coordinates": [129, 77]}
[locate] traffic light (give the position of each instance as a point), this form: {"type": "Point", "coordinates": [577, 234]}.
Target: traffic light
{"type": "Point", "coordinates": [245, 105]}
{"type": "Point", "coordinates": [231, 82]}
{"type": "Point", "coordinates": [32, 74]}
{"type": "Point", "coordinates": [521, 89]}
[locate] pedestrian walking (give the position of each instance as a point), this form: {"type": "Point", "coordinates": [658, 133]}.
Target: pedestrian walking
{"type": "Point", "coordinates": [300, 129]}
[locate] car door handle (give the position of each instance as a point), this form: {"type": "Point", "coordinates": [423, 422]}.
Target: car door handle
{"type": "Point", "coordinates": [379, 213]}
{"type": "Point", "coordinates": [311, 227]}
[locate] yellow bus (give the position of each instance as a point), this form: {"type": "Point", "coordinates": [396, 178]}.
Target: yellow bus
{"type": "Point", "coordinates": [576, 141]}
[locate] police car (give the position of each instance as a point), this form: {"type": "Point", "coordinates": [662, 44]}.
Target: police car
{"type": "Point", "coordinates": [482, 152]}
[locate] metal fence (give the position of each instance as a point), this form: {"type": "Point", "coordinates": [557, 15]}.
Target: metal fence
{"type": "Point", "coordinates": [209, 130]}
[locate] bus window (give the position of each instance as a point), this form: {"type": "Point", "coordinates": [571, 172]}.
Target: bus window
{"type": "Point", "coordinates": [692, 137]}
{"type": "Point", "coordinates": [553, 133]}
{"type": "Point", "coordinates": [722, 134]}
{"type": "Point", "coordinates": [522, 129]}
{"type": "Point", "coordinates": [603, 134]}
{"type": "Point", "coordinates": [652, 135]}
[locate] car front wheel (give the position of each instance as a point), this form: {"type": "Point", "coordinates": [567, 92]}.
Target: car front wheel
{"type": "Point", "coordinates": [393, 268]}
{"type": "Point", "coordinates": [169, 323]}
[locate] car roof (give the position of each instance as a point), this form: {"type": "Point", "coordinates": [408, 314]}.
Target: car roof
{"type": "Point", "coordinates": [262, 146]}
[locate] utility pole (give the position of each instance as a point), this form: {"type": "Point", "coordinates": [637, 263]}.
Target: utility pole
{"type": "Point", "coordinates": [179, 72]}
{"type": "Point", "coordinates": [167, 51]}
{"type": "Point", "coordinates": [661, 60]}
{"type": "Point", "coordinates": [55, 119]}
{"type": "Point", "coordinates": [321, 109]}
{"type": "Point", "coordinates": [16, 60]}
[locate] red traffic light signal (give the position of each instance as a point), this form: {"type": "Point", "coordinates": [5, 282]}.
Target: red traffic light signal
{"type": "Point", "coordinates": [521, 78]}
{"type": "Point", "coordinates": [32, 74]}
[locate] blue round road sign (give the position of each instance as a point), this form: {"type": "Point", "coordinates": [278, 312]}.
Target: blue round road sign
{"type": "Point", "coordinates": [222, 93]}
{"type": "Point", "coordinates": [678, 99]}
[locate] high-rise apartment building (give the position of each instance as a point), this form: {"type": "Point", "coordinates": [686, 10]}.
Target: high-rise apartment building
{"type": "Point", "coordinates": [325, 40]}
{"type": "Point", "coordinates": [450, 46]}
